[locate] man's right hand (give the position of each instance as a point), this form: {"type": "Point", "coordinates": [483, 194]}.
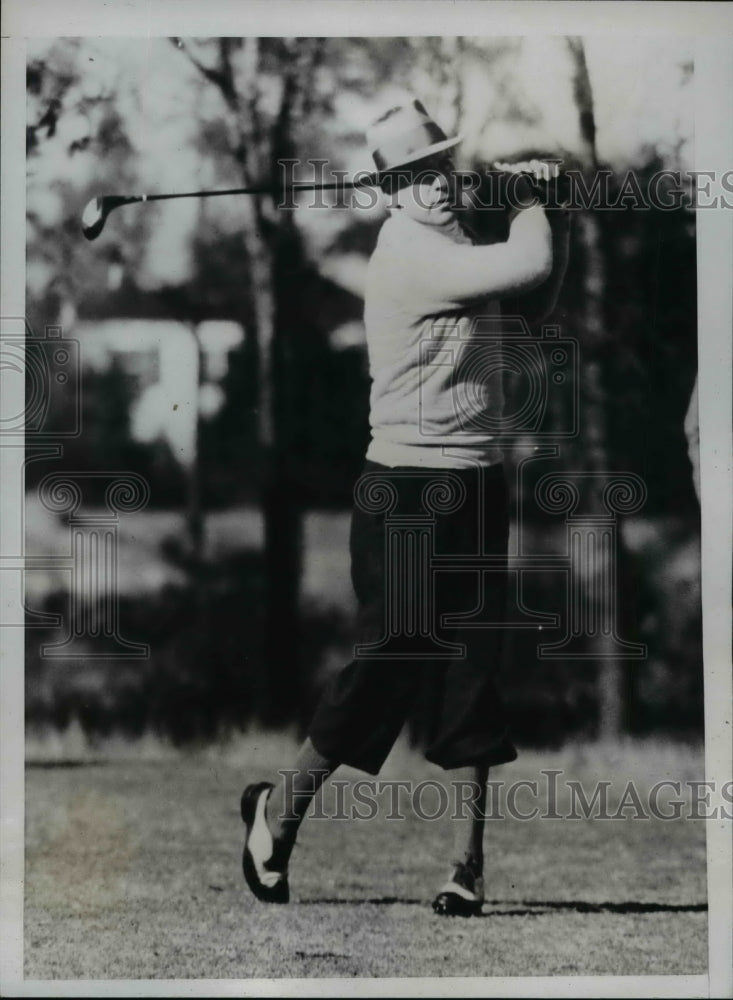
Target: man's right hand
{"type": "Point", "coordinates": [541, 170]}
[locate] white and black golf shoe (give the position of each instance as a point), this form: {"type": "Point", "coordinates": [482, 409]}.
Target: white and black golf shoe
{"type": "Point", "coordinates": [462, 895]}
{"type": "Point", "coordinates": [265, 872]}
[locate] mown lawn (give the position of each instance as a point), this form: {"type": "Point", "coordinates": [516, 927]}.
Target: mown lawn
{"type": "Point", "coordinates": [133, 871]}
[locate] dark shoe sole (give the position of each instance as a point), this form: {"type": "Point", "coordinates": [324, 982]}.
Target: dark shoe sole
{"type": "Point", "coordinates": [247, 807]}
{"type": "Point", "coordinates": [450, 904]}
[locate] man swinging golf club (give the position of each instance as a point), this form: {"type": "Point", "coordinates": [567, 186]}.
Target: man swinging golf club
{"type": "Point", "coordinates": [433, 420]}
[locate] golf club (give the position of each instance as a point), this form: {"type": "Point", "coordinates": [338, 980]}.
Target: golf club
{"type": "Point", "coordinates": [97, 209]}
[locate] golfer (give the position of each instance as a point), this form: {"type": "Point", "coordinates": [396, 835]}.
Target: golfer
{"type": "Point", "coordinates": [433, 458]}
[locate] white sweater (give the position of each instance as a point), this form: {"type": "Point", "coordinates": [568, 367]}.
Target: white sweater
{"type": "Point", "coordinates": [436, 397]}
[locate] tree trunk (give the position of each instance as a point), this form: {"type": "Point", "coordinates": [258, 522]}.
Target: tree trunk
{"type": "Point", "coordinates": [282, 517]}
{"type": "Point", "coordinates": [258, 139]}
{"type": "Point", "coordinates": [592, 396]}
{"type": "Point", "coordinates": [271, 243]}
{"type": "Point", "coordinates": [194, 509]}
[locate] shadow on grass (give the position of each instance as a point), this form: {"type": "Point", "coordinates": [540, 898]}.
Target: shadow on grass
{"type": "Point", "coordinates": [55, 765]}
{"type": "Point", "coordinates": [527, 907]}
{"type": "Point", "coordinates": [614, 907]}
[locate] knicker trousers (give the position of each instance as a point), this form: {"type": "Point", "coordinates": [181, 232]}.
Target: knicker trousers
{"type": "Point", "coordinates": [403, 521]}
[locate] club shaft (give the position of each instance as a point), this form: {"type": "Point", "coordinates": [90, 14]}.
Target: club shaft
{"type": "Point", "coordinates": [262, 189]}
{"type": "Point", "coordinates": [344, 185]}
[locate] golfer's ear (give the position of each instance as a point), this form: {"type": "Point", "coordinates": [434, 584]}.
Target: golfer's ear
{"type": "Point", "coordinates": [389, 199]}
{"type": "Point", "coordinates": [393, 196]}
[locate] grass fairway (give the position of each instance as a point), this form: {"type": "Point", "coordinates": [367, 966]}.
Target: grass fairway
{"type": "Point", "coordinates": [133, 871]}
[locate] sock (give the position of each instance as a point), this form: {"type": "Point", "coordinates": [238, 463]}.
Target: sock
{"type": "Point", "coordinates": [468, 829]}
{"type": "Point", "coordinates": [293, 794]}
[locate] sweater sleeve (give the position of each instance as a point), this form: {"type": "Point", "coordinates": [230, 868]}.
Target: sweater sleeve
{"type": "Point", "coordinates": [443, 275]}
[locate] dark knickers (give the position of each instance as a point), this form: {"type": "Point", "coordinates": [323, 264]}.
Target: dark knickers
{"type": "Point", "coordinates": [418, 516]}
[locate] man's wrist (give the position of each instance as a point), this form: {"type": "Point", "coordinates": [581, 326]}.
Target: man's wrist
{"type": "Point", "coordinates": [516, 210]}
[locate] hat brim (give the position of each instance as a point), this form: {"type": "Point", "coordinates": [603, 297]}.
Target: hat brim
{"type": "Point", "coordinates": [421, 154]}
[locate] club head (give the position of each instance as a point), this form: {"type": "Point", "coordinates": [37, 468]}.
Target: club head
{"type": "Point", "coordinates": [95, 214]}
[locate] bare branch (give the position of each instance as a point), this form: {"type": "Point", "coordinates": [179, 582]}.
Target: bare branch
{"type": "Point", "coordinates": [252, 138]}
{"type": "Point", "coordinates": [226, 72]}
{"type": "Point", "coordinates": [583, 93]}
{"type": "Point", "coordinates": [214, 76]}
{"type": "Point", "coordinates": [316, 58]}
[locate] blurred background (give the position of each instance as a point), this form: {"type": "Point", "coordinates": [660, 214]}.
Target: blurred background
{"type": "Point", "coordinates": [222, 358]}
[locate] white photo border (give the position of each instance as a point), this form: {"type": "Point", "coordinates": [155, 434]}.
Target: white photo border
{"type": "Point", "coordinates": [712, 26]}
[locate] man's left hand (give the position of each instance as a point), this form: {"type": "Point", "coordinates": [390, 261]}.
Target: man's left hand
{"type": "Point", "coordinates": [541, 170]}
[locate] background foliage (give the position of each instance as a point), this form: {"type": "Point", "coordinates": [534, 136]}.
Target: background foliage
{"type": "Point", "coordinates": [234, 638]}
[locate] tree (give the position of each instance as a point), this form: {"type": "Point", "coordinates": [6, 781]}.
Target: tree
{"type": "Point", "coordinates": [267, 88]}
{"type": "Point", "coordinates": [593, 398]}
{"type": "Point", "coordinates": [239, 105]}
